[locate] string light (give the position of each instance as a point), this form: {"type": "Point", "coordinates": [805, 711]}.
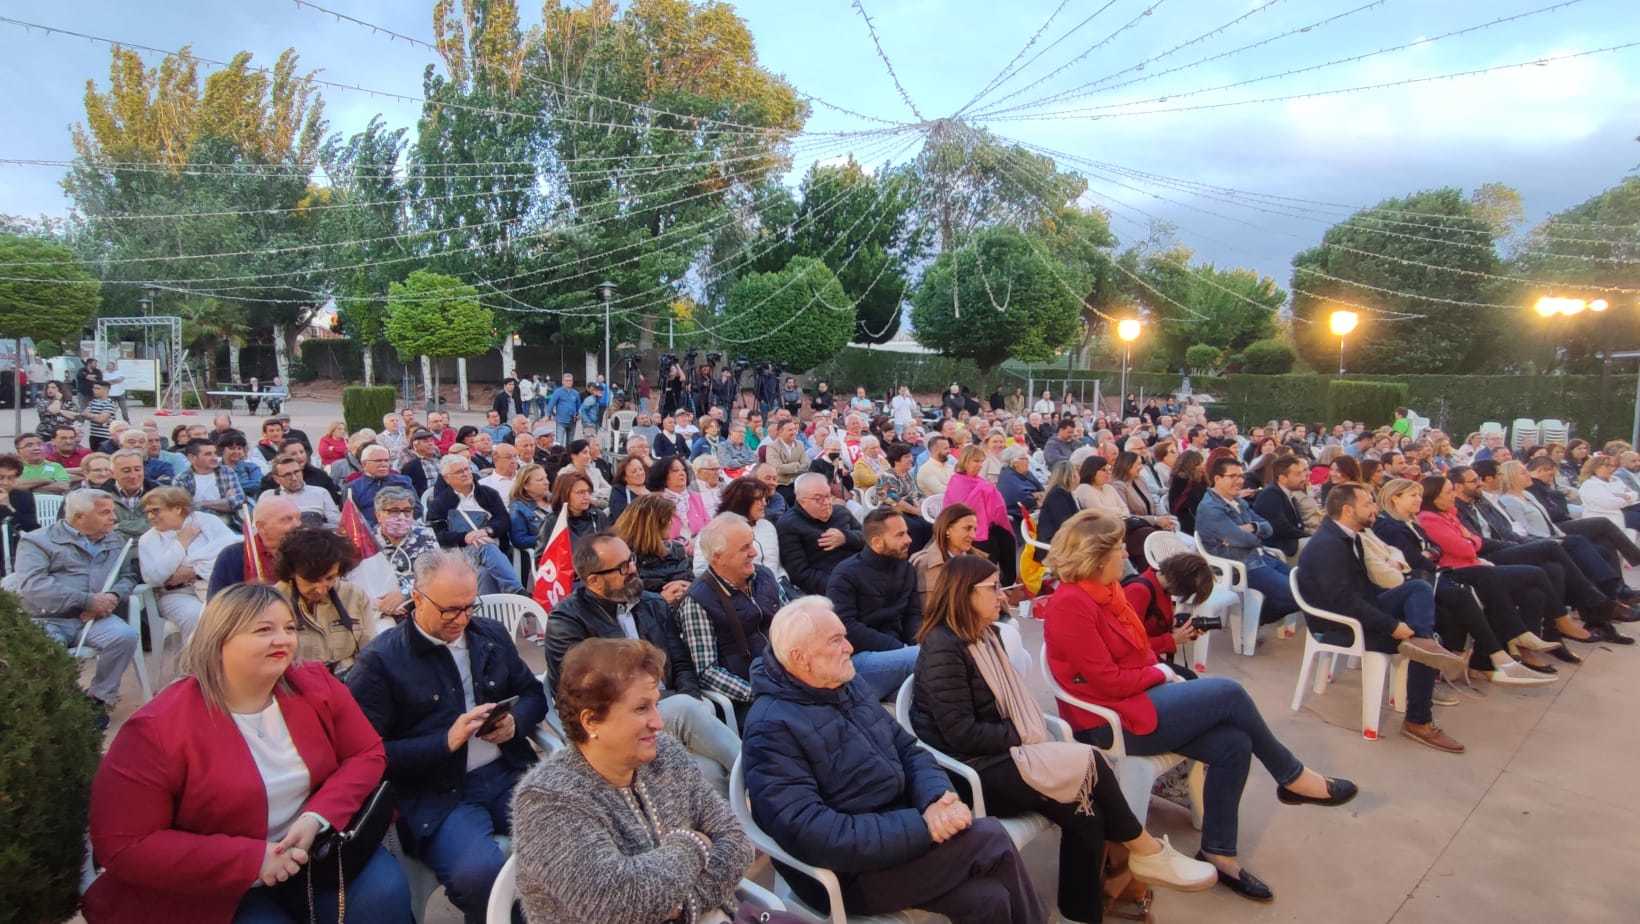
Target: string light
{"type": "Point", "coordinates": [1089, 50]}
{"type": "Point", "coordinates": [871, 28]}
{"type": "Point", "coordinates": [1007, 69]}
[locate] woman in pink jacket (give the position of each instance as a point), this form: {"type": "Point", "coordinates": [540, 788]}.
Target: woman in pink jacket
{"type": "Point", "coordinates": [995, 532]}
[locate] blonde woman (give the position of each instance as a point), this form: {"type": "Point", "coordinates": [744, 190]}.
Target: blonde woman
{"type": "Point", "coordinates": [177, 554]}
{"type": "Point", "coordinates": [333, 445]}
{"type": "Point", "coordinates": [1604, 496]}
{"type": "Point", "coordinates": [1098, 650]}
{"type": "Point", "coordinates": [995, 443]}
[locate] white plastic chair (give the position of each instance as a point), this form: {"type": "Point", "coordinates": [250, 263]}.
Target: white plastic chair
{"type": "Point", "coordinates": [1374, 665]}
{"type": "Point", "coordinates": [503, 893]}
{"type": "Point", "coordinates": [144, 600]}
{"type": "Point", "coordinates": [1136, 775]}
{"type": "Point", "coordinates": [1490, 427]}
{"type": "Point", "coordinates": [1524, 430]}
{"type": "Point", "coordinates": [47, 508]}
{"type": "Point", "coordinates": [932, 505]}
{"type": "Point", "coordinates": [1022, 828]}
{"type": "Point", "coordinates": [1549, 431]}
{"type": "Point", "coordinates": [1243, 621]}
{"type": "Point", "coordinates": [740, 804]}
{"type": "Point", "coordinates": [1039, 466]}
{"type": "Point", "coordinates": [1159, 547]}
{"type": "Point", "coordinates": [510, 610]}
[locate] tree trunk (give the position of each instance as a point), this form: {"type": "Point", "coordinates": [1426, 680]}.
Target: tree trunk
{"type": "Point", "coordinates": [646, 334]}
{"type": "Point", "coordinates": [461, 381]}
{"type": "Point", "coordinates": [281, 355]}
{"type": "Point", "coordinates": [369, 367]}
{"type": "Point", "coordinates": [233, 362]}
{"type": "Point", "coordinates": [507, 370]}
{"type": "Point", "coordinates": [427, 381]}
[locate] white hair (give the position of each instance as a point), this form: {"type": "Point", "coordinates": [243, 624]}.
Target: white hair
{"type": "Point", "coordinates": [453, 461]}
{"type": "Point", "coordinates": [704, 460]}
{"type": "Point", "coordinates": [432, 563]}
{"type": "Point", "coordinates": [714, 537]}
{"type": "Point", "coordinates": [810, 480]}
{"type": "Point", "coordinates": [869, 442]}
{"type": "Point", "coordinates": [795, 623]}
{"type": "Point", "coordinates": [1014, 452]}
{"type": "Point", "coordinates": [82, 501]}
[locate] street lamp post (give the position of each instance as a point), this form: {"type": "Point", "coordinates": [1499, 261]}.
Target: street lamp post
{"type": "Point", "coordinates": [1342, 323]}
{"type": "Point", "coordinates": [606, 290]}
{"type": "Point", "coordinates": [1127, 330]}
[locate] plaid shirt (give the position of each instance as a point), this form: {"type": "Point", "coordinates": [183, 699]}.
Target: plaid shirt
{"type": "Point", "coordinates": [227, 486]}
{"type": "Point", "coordinates": [698, 634]}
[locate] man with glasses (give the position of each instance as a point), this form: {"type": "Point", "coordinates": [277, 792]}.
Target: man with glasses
{"type": "Point", "coordinates": [816, 535]}
{"type": "Point", "coordinates": [1229, 527]}
{"type": "Point", "coordinates": [317, 507]}
{"type": "Point", "coordinates": [375, 473]}
{"type": "Point", "coordinates": [429, 685]}
{"type": "Point", "coordinates": [610, 602]}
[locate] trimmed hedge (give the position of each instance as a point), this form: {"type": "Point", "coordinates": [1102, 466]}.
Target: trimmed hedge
{"type": "Point", "coordinates": [1373, 403]}
{"type": "Point", "coordinates": [1267, 357]}
{"type": "Point", "coordinates": [50, 753]}
{"type": "Point", "coordinates": [366, 405]}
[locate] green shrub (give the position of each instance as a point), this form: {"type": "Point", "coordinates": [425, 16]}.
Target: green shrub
{"type": "Point", "coordinates": [48, 349]}
{"type": "Point", "coordinates": [364, 406]}
{"type": "Point", "coordinates": [50, 751]}
{"type": "Point", "coordinates": [1201, 357]}
{"type": "Point", "coordinates": [1373, 403]}
{"type": "Point", "coordinates": [1267, 357]}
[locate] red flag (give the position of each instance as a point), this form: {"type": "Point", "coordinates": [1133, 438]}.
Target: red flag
{"type": "Point", "coordinates": [354, 527]}
{"type": "Point", "coordinates": [258, 564]}
{"type": "Point", "coordinates": [555, 569]}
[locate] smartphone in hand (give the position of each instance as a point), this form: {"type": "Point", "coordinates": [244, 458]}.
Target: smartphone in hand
{"type": "Point", "coordinates": [502, 709]}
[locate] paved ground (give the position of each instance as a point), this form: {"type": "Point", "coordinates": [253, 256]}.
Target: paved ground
{"type": "Point", "coordinates": [1547, 786]}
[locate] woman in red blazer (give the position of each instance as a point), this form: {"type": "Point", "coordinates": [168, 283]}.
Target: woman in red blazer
{"type": "Point", "coordinates": [214, 791]}
{"type": "Point", "coordinates": [1098, 651]}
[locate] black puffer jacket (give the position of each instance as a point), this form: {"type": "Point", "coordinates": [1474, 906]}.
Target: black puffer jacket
{"type": "Point", "coordinates": [658, 571]}
{"type": "Point", "coordinates": [952, 709]}
{"type": "Point", "coordinates": [581, 616]}
{"type": "Point", "coordinates": [809, 566]}
{"type": "Point", "coordinates": [876, 598]}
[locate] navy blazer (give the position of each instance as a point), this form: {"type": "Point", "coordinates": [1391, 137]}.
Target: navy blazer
{"type": "Point", "coordinates": [1410, 540]}
{"type": "Point", "coordinates": [410, 690]}
{"type": "Point", "coordinates": [1286, 526]}
{"type": "Point", "coordinates": [1333, 577]}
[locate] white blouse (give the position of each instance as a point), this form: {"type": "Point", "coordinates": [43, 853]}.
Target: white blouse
{"type": "Point", "coordinates": [284, 775]}
{"type": "Point", "coordinates": [160, 554]}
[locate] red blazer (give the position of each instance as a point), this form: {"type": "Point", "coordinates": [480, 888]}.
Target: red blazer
{"type": "Point", "coordinates": [179, 816]}
{"type": "Point", "coordinates": [1092, 657]}
{"type": "Point", "coordinates": [1460, 548]}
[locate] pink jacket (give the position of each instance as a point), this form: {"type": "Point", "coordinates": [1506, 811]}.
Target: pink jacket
{"type": "Point", "coordinates": [984, 498]}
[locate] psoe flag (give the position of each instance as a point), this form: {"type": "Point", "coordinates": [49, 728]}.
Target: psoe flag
{"type": "Point", "coordinates": [555, 569]}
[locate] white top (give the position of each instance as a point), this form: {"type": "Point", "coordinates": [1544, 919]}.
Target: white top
{"type": "Point", "coordinates": [526, 391]}
{"type": "Point", "coordinates": [600, 487]}
{"type": "Point", "coordinates": [284, 775]}
{"type": "Point", "coordinates": [311, 499]}
{"type": "Point", "coordinates": [479, 751]}
{"type": "Point", "coordinates": [1605, 499]}
{"type": "Point", "coordinates": [205, 487]}
{"type": "Point", "coordinates": [904, 409]}
{"type": "Point", "coordinates": [1105, 497]}
{"type": "Point", "coordinates": [160, 554]}
{"type": "Point", "coordinates": [116, 383]}
{"type": "Point", "coordinates": [1042, 406]}
{"type": "Point", "coordinates": [500, 484]}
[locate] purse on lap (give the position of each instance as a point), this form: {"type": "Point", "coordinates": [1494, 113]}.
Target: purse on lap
{"type": "Point", "coordinates": [338, 856]}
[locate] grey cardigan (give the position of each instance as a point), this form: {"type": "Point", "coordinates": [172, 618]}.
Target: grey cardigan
{"type": "Point", "coordinates": [586, 854]}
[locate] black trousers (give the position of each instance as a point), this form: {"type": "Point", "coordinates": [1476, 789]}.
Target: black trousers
{"type": "Point", "coordinates": [1460, 617]}
{"type": "Point", "coordinates": [1606, 533]}
{"type": "Point", "coordinates": [976, 877]}
{"type": "Point", "coordinates": [1573, 587]}
{"type": "Point", "coordinates": [1081, 837]}
{"type": "Point", "coordinates": [999, 544]}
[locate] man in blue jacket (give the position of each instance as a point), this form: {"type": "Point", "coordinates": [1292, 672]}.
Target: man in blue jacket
{"type": "Point", "coordinates": [563, 407]}
{"type": "Point", "coordinates": [428, 685]}
{"type": "Point", "coordinates": [1229, 527]}
{"type": "Point", "coordinates": [837, 783]}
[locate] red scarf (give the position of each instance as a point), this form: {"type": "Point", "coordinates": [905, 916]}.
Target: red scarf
{"type": "Point", "coordinates": [1111, 598]}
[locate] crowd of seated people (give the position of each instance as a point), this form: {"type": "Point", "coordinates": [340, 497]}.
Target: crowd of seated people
{"type": "Point", "coordinates": [754, 589]}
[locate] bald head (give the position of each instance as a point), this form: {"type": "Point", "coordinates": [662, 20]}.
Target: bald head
{"type": "Point", "coordinates": [275, 517]}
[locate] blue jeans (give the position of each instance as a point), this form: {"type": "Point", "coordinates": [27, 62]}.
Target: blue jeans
{"type": "Point", "coordinates": [1270, 579]}
{"type": "Point", "coordinates": [461, 851]}
{"type": "Point", "coordinates": [884, 671]}
{"type": "Point", "coordinates": [1212, 720]}
{"type": "Point", "coordinates": [378, 895]}
{"type": "Point", "coordinates": [496, 572]}
{"type": "Point", "coordinates": [566, 432]}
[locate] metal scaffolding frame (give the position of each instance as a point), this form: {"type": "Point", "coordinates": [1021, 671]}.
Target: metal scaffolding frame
{"type": "Point", "coordinates": [172, 370]}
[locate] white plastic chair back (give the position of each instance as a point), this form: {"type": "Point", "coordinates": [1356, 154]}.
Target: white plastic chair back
{"type": "Point", "coordinates": [1374, 665]}
{"type": "Point", "coordinates": [1522, 431]}
{"type": "Point", "coordinates": [932, 505]}
{"type": "Point", "coordinates": [1553, 431]}
{"type": "Point", "coordinates": [1164, 544]}
{"type": "Point", "coordinates": [510, 609]}
{"type": "Point", "coordinates": [47, 508]}
{"type": "Point", "coordinates": [503, 893]}
{"type": "Point", "coordinates": [1490, 427]}
{"type": "Point", "coordinates": [1039, 466]}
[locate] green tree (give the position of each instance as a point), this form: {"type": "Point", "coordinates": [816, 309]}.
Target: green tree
{"type": "Point", "coordinates": [798, 317]}
{"type": "Point", "coordinates": [1436, 260]}
{"type": "Point", "coordinates": [55, 304]}
{"type": "Point", "coordinates": [369, 203]}
{"type": "Point", "coordinates": [1202, 358]}
{"type": "Point", "coordinates": [1002, 295]}
{"type": "Point", "coordinates": [968, 179]}
{"type": "Point", "coordinates": [433, 315]}
{"type": "Point", "coordinates": [1267, 357]}
{"type": "Point", "coordinates": [1228, 309]}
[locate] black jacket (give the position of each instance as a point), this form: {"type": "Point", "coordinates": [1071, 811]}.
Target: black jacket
{"type": "Point", "coordinates": [581, 616]}
{"type": "Point", "coordinates": [1287, 526]}
{"type": "Point", "coordinates": [19, 518]}
{"type": "Point", "coordinates": [952, 708]}
{"type": "Point", "coordinates": [452, 529]}
{"type": "Point", "coordinates": [1058, 505]}
{"type": "Point", "coordinates": [876, 598]}
{"type": "Point", "coordinates": [506, 405]}
{"type": "Point", "coordinates": [417, 473]}
{"type": "Point", "coordinates": [410, 690]}
{"type": "Point", "coordinates": [663, 445]}
{"type": "Point", "coordinates": [1551, 499]}
{"type": "Point", "coordinates": [1409, 538]}
{"type": "Point", "coordinates": [809, 566]}
{"type": "Point", "coordinates": [1333, 577]}
{"type": "Point", "coordinates": [658, 571]}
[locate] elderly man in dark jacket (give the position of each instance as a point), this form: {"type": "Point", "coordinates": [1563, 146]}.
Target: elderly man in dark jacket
{"type": "Point", "coordinates": [839, 785]}
{"type": "Point", "coordinates": [815, 534]}
{"type": "Point", "coordinates": [429, 685]}
{"type": "Point", "coordinates": [875, 594]}
{"type": "Point", "coordinates": [463, 512]}
{"type": "Point", "coordinates": [610, 602]}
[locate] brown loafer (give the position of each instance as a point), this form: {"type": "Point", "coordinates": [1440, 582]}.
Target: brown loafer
{"type": "Point", "coordinates": [1432, 736]}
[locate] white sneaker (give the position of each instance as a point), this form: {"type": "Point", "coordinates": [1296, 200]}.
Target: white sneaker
{"type": "Point", "coordinates": [1173, 870]}
{"type": "Point", "coordinates": [1517, 674]}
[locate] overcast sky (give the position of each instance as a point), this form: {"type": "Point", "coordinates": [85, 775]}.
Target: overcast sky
{"type": "Point", "coordinates": [1558, 133]}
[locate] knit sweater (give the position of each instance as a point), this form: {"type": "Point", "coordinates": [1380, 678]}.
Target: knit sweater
{"type": "Point", "coordinates": [588, 855]}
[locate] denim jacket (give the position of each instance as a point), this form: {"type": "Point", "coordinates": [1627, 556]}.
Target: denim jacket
{"type": "Point", "coordinates": [1218, 526]}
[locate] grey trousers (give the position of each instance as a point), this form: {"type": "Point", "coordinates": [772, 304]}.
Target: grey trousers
{"type": "Point", "coordinates": [114, 641]}
{"type": "Point", "coordinates": [695, 723]}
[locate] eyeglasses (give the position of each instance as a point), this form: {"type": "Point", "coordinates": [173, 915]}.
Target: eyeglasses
{"type": "Point", "coordinates": [630, 562]}
{"type": "Point", "coordinates": [450, 613]}
{"type": "Point", "coordinates": [405, 511]}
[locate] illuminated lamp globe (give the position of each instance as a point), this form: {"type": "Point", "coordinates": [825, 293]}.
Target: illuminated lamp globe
{"type": "Point", "coordinates": [1128, 329]}
{"type": "Point", "coordinates": [1342, 322]}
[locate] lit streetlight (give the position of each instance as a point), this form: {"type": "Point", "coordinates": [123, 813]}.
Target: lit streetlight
{"type": "Point", "coordinates": [1342, 323]}
{"type": "Point", "coordinates": [1127, 330]}
{"type": "Point", "coordinates": [606, 291]}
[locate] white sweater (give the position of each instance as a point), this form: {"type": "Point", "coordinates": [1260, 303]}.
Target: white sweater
{"type": "Point", "coordinates": [160, 554]}
{"type": "Point", "coordinates": [1605, 499]}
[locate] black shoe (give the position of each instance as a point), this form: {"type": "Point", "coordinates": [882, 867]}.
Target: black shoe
{"type": "Point", "coordinates": [1545, 668]}
{"type": "Point", "coordinates": [1339, 791]}
{"type": "Point", "coordinates": [1562, 653]}
{"type": "Point", "coordinates": [1624, 614]}
{"type": "Point", "coordinates": [1246, 885]}
{"type": "Point", "coordinates": [1604, 633]}
{"type": "Point", "coordinates": [99, 712]}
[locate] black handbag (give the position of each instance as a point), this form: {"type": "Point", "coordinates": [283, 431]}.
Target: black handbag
{"type": "Point", "coordinates": [338, 856]}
